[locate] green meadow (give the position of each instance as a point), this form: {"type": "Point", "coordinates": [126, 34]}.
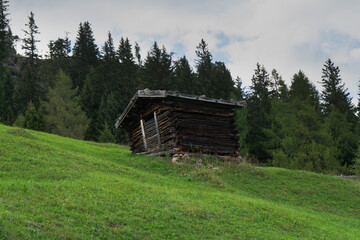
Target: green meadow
{"type": "Point", "coordinates": [53, 187]}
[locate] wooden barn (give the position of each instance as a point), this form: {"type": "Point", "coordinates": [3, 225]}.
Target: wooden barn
{"type": "Point", "coordinates": [159, 122]}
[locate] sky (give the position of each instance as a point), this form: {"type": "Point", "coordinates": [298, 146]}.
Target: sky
{"type": "Point", "coordinates": [286, 35]}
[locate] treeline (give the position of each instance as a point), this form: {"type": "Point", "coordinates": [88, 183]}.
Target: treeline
{"type": "Point", "coordinates": [78, 91]}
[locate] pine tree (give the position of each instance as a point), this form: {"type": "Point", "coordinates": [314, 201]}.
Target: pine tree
{"type": "Point", "coordinates": [34, 118]}
{"type": "Point", "coordinates": [29, 42]}
{"type": "Point", "coordinates": [334, 94]}
{"type": "Point", "coordinates": [127, 82]}
{"type": "Point", "coordinates": [302, 89]}
{"type": "Point", "coordinates": [60, 48]}
{"type": "Point", "coordinates": [109, 68]}
{"type": "Point", "coordinates": [184, 77]}
{"type": "Point", "coordinates": [59, 58]}
{"type": "Point", "coordinates": [358, 106]}
{"type": "Point", "coordinates": [222, 82]}
{"type": "Point", "coordinates": [158, 70]}
{"type": "Point", "coordinates": [64, 113]}
{"type": "Point", "coordinates": [259, 106]}
{"type": "Point", "coordinates": [340, 113]}
{"type": "Point", "coordinates": [106, 136]}
{"type": "Point", "coordinates": [204, 69]}
{"type": "Point", "coordinates": [137, 54]}
{"type": "Point", "coordinates": [90, 99]}
{"type": "Point", "coordinates": [85, 54]}
{"type": "Point", "coordinates": [238, 91]}
{"type": "Point", "coordinates": [109, 50]}
{"type": "Point", "coordinates": [7, 113]}
{"type": "Point", "coordinates": [29, 88]}
{"type": "Point", "coordinates": [278, 87]}
{"type": "Point", "coordinates": [6, 81]}
{"type": "Point", "coordinates": [4, 34]}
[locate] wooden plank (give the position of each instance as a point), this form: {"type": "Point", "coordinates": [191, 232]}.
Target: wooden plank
{"type": "Point", "coordinates": [143, 134]}
{"type": "Point", "coordinates": [157, 129]}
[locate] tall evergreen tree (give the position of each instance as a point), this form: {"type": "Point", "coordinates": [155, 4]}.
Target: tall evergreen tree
{"type": "Point", "coordinates": [221, 81]}
{"type": "Point", "coordinates": [334, 94]}
{"type": "Point", "coordinates": [60, 48]}
{"type": "Point", "coordinates": [137, 54]}
{"type": "Point", "coordinates": [302, 89]}
{"type": "Point", "coordinates": [340, 113]}
{"type": "Point", "coordinates": [4, 34]}
{"type": "Point", "coordinates": [108, 69]}
{"type": "Point", "coordinates": [108, 49]}
{"type": "Point", "coordinates": [278, 87]}
{"type": "Point", "coordinates": [29, 42]}
{"type": "Point", "coordinates": [204, 69]}
{"type": "Point", "coordinates": [59, 58]}
{"type": "Point", "coordinates": [128, 80]}
{"type": "Point", "coordinates": [184, 76]}
{"type": "Point", "coordinates": [29, 88]}
{"type": "Point", "coordinates": [259, 106]}
{"type": "Point", "coordinates": [34, 118]}
{"type": "Point", "coordinates": [90, 99]}
{"type": "Point", "coordinates": [158, 70]}
{"type": "Point", "coordinates": [358, 106]}
{"type": "Point", "coordinates": [85, 54]}
{"type": "Point", "coordinates": [6, 81]}
{"type": "Point", "coordinates": [238, 91]}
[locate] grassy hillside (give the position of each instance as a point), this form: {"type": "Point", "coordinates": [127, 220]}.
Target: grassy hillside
{"type": "Point", "coordinates": [53, 187]}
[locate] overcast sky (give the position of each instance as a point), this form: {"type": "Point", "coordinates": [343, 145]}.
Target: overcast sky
{"type": "Point", "coordinates": [287, 35]}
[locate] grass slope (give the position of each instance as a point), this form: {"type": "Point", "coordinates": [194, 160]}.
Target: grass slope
{"type": "Point", "coordinates": [53, 187]}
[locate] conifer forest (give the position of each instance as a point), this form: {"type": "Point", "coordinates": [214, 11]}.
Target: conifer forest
{"type": "Point", "coordinates": [79, 89]}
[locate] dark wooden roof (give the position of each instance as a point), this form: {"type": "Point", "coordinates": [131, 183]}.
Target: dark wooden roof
{"type": "Point", "coordinates": [156, 94]}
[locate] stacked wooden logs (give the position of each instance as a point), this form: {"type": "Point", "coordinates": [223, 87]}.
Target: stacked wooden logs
{"type": "Point", "coordinates": [184, 125]}
{"type": "Point", "coordinates": [205, 128]}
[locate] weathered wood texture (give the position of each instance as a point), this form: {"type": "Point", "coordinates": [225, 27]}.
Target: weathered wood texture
{"type": "Point", "coordinates": [185, 125]}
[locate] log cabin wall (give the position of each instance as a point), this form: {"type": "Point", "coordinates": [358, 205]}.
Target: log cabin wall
{"type": "Point", "coordinates": [165, 121]}
{"type": "Point", "coordinates": [204, 127]}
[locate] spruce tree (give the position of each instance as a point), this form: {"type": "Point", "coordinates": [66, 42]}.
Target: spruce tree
{"type": "Point", "coordinates": [29, 88]}
{"type": "Point", "coordinates": [204, 69]}
{"type": "Point", "coordinates": [30, 40]}
{"type": "Point", "coordinates": [106, 135]}
{"type": "Point", "coordinates": [137, 54]}
{"type": "Point", "coordinates": [302, 89]}
{"type": "Point", "coordinates": [358, 106]}
{"type": "Point", "coordinates": [85, 54]}
{"type": "Point", "coordinates": [184, 77]}
{"type": "Point", "coordinates": [109, 50]}
{"type": "Point", "coordinates": [238, 91]}
{"type": "Point", "coordinates": [278, 87]}
{"type": "Point", "coordinates": [59, 58]}
{"type": "Point", "coordinates": [109, 67]}
{"type": "Point", "coordinates": [60, 48]}
{"type": "Point", "coordinates": [127, 81]}
{"type": "Point", "coordinates": [259, 106]}
{"type": "Point", "coordinates": [34, 118]}
{"type": "Point", "coordinates": [6, 80]}
{"type": "Point", "coordinates": [158, 70]}
{"type": "Point", "coordinates": [334, 94]}
{"type": "Point", "coordinates": [340, 113]}
{"type": "Point", "coordinates": [221, 81]}
{"type": "Point", "coordinates": [4, 34]}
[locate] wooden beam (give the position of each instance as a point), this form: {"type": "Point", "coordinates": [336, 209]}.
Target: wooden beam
{"type": "Point", "coordinates": [143, 134]}
{"type": "Point", "coordinates": [157, 129]}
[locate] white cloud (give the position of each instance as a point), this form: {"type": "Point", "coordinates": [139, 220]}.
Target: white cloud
{"type": "Point", "coordinates": [286, 35]}
{"type": "Point", "coordinates": [355, 53]}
